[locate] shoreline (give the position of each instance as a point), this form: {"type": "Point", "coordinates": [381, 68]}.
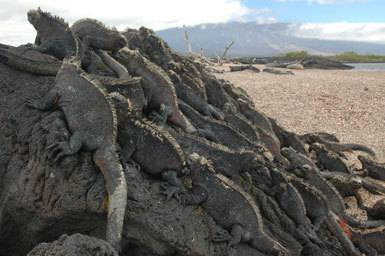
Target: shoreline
{"type": "Point", "coordinates": [350, 104]}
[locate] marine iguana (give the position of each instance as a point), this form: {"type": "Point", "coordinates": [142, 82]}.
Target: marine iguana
{"type": "Point", "coordinates": [154, 149]}
{"type": "Point", "coordinates": [224, 134]}
{"type": "Point", "coordinates": [323, 135]}
{"type": "Point", "coordinates": [230, 206]}
{"type": "Point", "coordinates": [316, 204]}
{"type": "Point", "coordinates": [160, 92]}
{"type": "Point", "coordinates": [377, 211]}
{"type": "Point", "coordinates": [189, 96]}
{"type": "Point", "coordinates": [290, 139]}
{"type": "Point", "coordinates": [54, 36]}
{"type": "Point", "coordinates": [95, 34]}
{"type": "Point", "coordinates": [29, 61]}
{"type": "Point", "coordinates": [337, 204]}
{"type": "Point", "coordinates": [328, 159]}
{"type": "Point", "coordinates": [291, 201]}
{"type": "Point", "coordinates": [98, 36]}
{"type": "Point", "coordinates": [338, 147]}
{"type": "Point", "coordinates": [93, 127]}
{"type": "Point", "coordinates": [348, 183]}
{"type": "Point", "coordinates": [369, 240]}
{"type": "Point", "coordinates": [374, 169]}
{"type": "Point", "coordinates": [296, 159]}
{"type": "Point", "coordinates": [227, 161]}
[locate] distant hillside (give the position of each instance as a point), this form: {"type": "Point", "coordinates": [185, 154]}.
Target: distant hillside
{"type": "Point", "coordinates": [252, 39]}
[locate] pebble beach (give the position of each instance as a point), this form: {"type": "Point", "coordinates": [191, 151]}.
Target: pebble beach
{"type": "Point", "coordinates": [349, 104]}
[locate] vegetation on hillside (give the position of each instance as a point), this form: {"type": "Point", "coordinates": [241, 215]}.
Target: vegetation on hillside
{"type": "Point", "coordinates": [348, 56]}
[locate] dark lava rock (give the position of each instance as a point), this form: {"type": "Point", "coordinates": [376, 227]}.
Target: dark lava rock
{"type": "Point", "coordinates": [241, 68]}
{"type": "Point", "coordinates": [310, 62]}
{"type": "Point", "coordinates": [75, 245]}
{"type": "Point", "coordinates": [277, 72]}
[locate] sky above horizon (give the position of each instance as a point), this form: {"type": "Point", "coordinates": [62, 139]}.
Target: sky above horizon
{"type": "Point", "coordinates": [358, 20]}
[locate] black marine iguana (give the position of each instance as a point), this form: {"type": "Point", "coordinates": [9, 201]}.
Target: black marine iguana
{"type": "Point", "coordinates": [225, 160]}
{"type": "Point", "coordinates": [296, 159]}
{"type": "Point", "coordinates": [230, 206]}
{"type": "Point", "coordinates": [224, 134]}
{"type": "Point", "coordinates": [93, 127]}
{"type": "Point", "coordinates": [291, 201]}
{"type": "Point", "coordinates": [338, 147]}
{"type": "Point", "coordinates": [329, 159]}
{"type": "Point", "coordinates": [348, 184]}
{"type": "Point", "coordinates": [374, 169]}
{"type": "Point", "coordinates": [160, 92]}
{"type": "Point", "coordinates": [54, 36]}
{"type": "Point", "coordinates": [192, 98]}
{"type": "Point", "coordinates": [154, 149]}
{"type": "Point", "coordinates": [337, 204]}
{"type": "Point", "coordinates": [29, 61]}
{"type": "Point", "coordinates": [95, 34]}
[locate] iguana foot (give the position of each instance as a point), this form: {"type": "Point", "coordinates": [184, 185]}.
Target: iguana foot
{"type": "Point", "coordinates": [156, 118]}
{"type": "Point", "coordinates": [59, 149]}
{"type": "Point", "coordinates": [32, 102]}
{"type": "Point", "coordinates": [171, 191]}
{"type": "Point", "coordinates": [224, 236]}
{"type": "Point", "coordinates": [209, 135]}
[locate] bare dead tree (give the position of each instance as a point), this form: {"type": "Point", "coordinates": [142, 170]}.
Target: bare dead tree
{"type": "Point", "coordinates": [190, 53]}
{"type": "Point", "coordinates": [224, 53]}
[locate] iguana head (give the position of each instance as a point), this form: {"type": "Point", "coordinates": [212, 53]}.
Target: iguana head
{"type": "Point", "coordinates": [122, 104]}
{"type": "Point", "coordinates": [286, 152]}
{"type": "Point", "coordinates": [34, 16]}
{"type": "Point", "coordinates": [198, 164]}
{"type": "Point", "coordinates": [115, 40]}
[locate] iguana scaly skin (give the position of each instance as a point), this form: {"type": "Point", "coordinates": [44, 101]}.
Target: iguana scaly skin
{"type": "Point", "coordinates": [95, 34]}
{"type": "Point", "coordinates": [154, 149]}
{"type": "Point", "coordinates": [160, 91]}
{"type": "Point", "coordinates": [29, 61]}
{"type": "Point", "coordinates": [377, 211]}
{"type": "Point", "coordinates": [337, 204]}
{"type": "Point", "coordinates": [230, 206]}
{"type": "Point", "coordinates": [290, 139]}
{"type": "Point", "coordinates": [189, 96]}
{"type": "Point", "coordinates": [374, 169]}
{"type": "Point", "coordinates": [371, 239]}
{"type": "Point", "coordinates": [323, 135]}
{"type": "Point", "coordinates": [54, 36]}
{"type": "Point", "coordinates": [338, 147]}
{"type": "Point", "coordinates": [316, 203]}
{"type": "Point", "coordinates": [291, 201]}
{"type": "Point", "coordinates": [98, 36]}
{"type": "Point", "coordinates": [227, 161]}
{"type": "Point", "coordinates": [93, 127]}
{"type": "Point", "coordinates": [224, 134]}
{"type": "Point", "coordinates": [328, 159]}
{"type": "Point", "coordinates": [297, 159]}
{"type": "Point", "coordinates": [348, 183]}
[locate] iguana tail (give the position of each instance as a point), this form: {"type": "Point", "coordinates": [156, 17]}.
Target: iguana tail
{"type": "Point", "coordinates": [346, 147]}
{"type": "Point", "coordinates": [38, 67]}
{"type": "Point", "coordinates": [108, 162]}
{"type": "Point", "coordinates": [373, 187]}
{"type": "Point", "coordinates": [362, 223]}
{"type": "Point", "coordinates": [337, 230]}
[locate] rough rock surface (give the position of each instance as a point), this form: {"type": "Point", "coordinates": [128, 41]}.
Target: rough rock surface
{"type": "Point", "coordinates": [75, 245]}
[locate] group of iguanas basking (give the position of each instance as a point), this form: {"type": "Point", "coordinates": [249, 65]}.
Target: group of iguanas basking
{"type": "Point", "coordinates": [178, 122]}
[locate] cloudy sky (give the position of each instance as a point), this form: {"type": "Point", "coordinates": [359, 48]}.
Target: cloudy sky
{"type": "Point", "coordinates": [326, 19]}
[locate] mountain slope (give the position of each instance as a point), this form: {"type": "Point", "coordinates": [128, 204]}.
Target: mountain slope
{"type": "Point", "coordinates": [252, 39]}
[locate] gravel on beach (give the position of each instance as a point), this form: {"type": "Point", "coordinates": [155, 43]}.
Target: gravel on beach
{"type": "Point", "coordinates": [349, 104]}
